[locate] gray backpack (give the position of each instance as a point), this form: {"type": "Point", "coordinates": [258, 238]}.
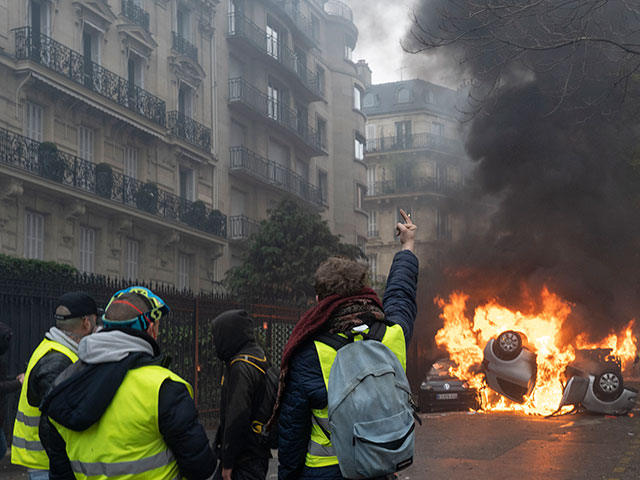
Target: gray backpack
{"type": "Point", "coordinates": [371, 413]}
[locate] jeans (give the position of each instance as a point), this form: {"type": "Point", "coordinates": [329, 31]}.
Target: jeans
{"type": "Point", "coordinates": [38, 474]}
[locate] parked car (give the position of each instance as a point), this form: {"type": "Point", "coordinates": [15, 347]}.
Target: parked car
{"type": "Point", "coordinates": [441, 391]}
{"type": "Point", "coordinates": [509, 365]}
{"type": "Point", "coordinates": [596, 384]}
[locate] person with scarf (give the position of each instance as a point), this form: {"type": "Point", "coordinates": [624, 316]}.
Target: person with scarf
{"type": "Point", "coordinates": [7, 385]}
{"type": "Point", "coordinates": [75, 317]}
{"type": "Point", "coordinates": [344, 302]}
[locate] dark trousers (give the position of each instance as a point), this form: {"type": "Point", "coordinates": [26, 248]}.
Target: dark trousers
{"type": "Point", "coordinates": [253, 468]}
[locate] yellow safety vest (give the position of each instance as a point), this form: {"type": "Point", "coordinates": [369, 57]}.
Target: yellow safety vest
{"type": "Point", "coordinates": [26, 448]}
{"type": "Point", "coordinates": [320, 452]}
{"type": "Point", "coordinates": [126, 442]}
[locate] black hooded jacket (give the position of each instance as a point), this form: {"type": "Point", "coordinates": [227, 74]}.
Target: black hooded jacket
{"type": "Point", "coordinates": [83, 392]}
{"type": "Point", "coordinates": [242, 389]}
{"type": "Point", "coordinates": [7, 385]}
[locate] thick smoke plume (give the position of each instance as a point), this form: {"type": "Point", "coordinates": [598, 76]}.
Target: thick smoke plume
{"type": "Point", "coordinates": [553, 133]}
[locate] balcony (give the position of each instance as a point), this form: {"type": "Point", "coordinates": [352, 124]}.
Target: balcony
{"type": "Point", "coordinates": [272, 173]}
{"type": "Point", "coordinates": [241, 28]}
{"type": "Point", "coordinates": [338, 9]}
{"type": "Point", "coordinates": [189, 130]}
{"type": "Point", "coordinates": [301, 23]}
{"type": "Point", "coordinates": [25, 154]}
{"type": "Point", "coordinates": [416, 141]}
{"type": "Point", "coordinates": [135, 14]}
{"type": "Point", "coordinates": [76, 67]}
{"type": "Point", "coordinates": [248, 98]}
{"type": "Point", "coordinates": [417, 185]}
{"type": "Point", "coordinates": [242, 227]}
{"type": "Point", "coordinates": [184, 46]}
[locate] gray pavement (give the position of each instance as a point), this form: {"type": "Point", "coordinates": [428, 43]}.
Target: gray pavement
{"type": "Point", "coordinates": [506, 446]}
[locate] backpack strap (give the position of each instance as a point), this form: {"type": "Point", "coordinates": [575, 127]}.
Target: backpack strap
{"type": "Point", "coordinates": [335, 341]}
{"type": "Point", "coordinates": [377, 331]}
{"type": "Point", "coordinates": [251, 360]}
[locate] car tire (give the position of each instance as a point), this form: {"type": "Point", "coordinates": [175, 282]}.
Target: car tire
{"type": "Point", "coordinates": [608, 385]}
{"type": "Point", "coordinates": [508, 345]}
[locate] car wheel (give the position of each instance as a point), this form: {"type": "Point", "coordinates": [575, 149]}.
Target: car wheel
{"type": "Point", "coordinates": [508, 345]}
{"type": "Point", "coordinates": [608, 386]}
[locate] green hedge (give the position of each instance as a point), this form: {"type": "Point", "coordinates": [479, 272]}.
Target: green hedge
{"type": "Point", "coordinates": [23, 267]}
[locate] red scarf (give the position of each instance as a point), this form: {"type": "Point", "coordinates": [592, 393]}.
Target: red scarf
{"type": "Point", "coordinates": [310, 323]}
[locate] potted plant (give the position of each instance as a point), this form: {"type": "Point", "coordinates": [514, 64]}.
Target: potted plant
{"type": "Point", "coordinates": [147, 197]}
{"type": "Point", "coordinates": [104, 180]}
{"type": "Point", "coordinates": [51, 163]}
{"type": "Point", "coordinates": [196, 214]}
{"type": "Point", "coordinates": [217, 223]}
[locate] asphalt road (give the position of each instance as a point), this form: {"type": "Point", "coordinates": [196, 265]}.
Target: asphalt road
{"type": "Point", "coordinates": [505, 446]}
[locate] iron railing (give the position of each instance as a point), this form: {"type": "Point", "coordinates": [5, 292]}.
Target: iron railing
{"type": "Point", "coordinates": [273, 109]}
{"type": "Point", "coordinates": [414, 142]}
{"type": "Point", "coordinates": [189, 130]}
{"type": "Point", "coordinates": [26, 154]}
{"type": "Point", "coordinates": [184, 46]}
{"type": "Point", "coordinates": [429, 185]}
{"type": "Point", "coordinates": [302, 23]}
{"type": "Point", "coordinates": [241, 26]}
{"type": "Point", "coordinates": [372, 233]}
{"type": "Point", "coordinates": [49, 53]}
{"type": "Point", "coordinates": [338, 9]}
{"type": "Point", "coordinates": [135, 14]}
{"type": "Point", "coordinates": [274, 174]}
{"type": "Point", "coordinates": [242, 227]}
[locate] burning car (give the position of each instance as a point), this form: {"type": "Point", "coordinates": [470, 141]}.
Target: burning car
{"type": "Point", "coordinates": [509, 365]}
{"type": "Point", "coordinates": [441, 391]}
{"type": "Point", "coordinates": [603, 392]}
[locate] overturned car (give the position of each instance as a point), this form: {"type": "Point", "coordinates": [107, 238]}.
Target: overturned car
{"type": "Point", "coordinates": [509, 365]}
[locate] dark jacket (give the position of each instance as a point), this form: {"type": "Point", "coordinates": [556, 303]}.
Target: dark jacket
{"type": "Point", "coordinates": [7, 385]}
{"type": "Point", "coordinates": [242, 389]}
{"type": "Point", "coordinates": [305, 389]}
{"type": "Point", "coordinates": [84, 391]}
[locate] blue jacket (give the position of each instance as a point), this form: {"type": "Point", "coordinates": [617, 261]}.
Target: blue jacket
{"type": "Point", "coordinates": [305, 388]}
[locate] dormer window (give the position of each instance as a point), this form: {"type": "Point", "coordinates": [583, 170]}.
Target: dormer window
{"type": "Point", "coordinates": [403, 95]}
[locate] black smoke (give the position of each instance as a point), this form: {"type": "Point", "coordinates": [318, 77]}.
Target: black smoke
{"type": "Point", "coordinates": [553, 134]}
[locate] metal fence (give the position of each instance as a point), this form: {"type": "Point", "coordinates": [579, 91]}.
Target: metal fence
{"type": "Point", "coordinates": [27, 306]}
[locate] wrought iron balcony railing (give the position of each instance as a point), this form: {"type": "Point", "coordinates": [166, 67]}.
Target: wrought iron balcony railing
{"type": "Point", "coordinates": [184, 46]}
{"type": "Point", "coordinates": [271, 108]}
{"type": "Point", "coordinates": [242, 227]}
{"type": "Point", "coordinates": [51, 54]}
{"type": "Point", "coordinates": [241, 26]}
{"type": "Point", "coordinates": [189, 130]}
{"type": "Point", "coordinates": [302, 23]}
{"type": "Point", "coordinates": [274, 174]}
{"type": "Point", "coordinates": [414, 142]}
{"type": "Point", "coordinates": [135, 14]}
{"type": "Point", "coordinates": [21, 152]}
{"type": "Point", "coordinates": [426, 185]}
{"type": "Point", "coordinates": [338, 9]}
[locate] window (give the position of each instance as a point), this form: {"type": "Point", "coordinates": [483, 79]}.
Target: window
{"type": "Point", "coordinates": [372, 260]}
{"type": "Point", "coordinates": [360, 193]}
{"type": "Point", "coordinates": [232, 17]}
{"type": "Point", "coordinates": [403, 95]}
{"type": "Point", "coordinates": [372, 224]}
{"type": "Point", "coordinates": [321, 127]}
{"type": "Point", "coordinates": [300, 61]}
{"type": "Point", "coordinates": [185, 100]}
{"type": "Point", "coordinates": [442, 228]}
{"type": "Point", "coordinates": [183, 22]}
{"type": "Point", "coordinates": [359, 147]}
{"type": "Point", "coordinates": [357, 98]}
{"type": "Point", "coordinates": [272, 102]}
{"type": "Point", "coordinates": [131, 162]}
{"type": "Point", "coordinates": [320, 78]}
{"type": "Point", "coordinates": [238, 202]}
{"type": "Point", "coordinates": [323, 186]}
{"type": "Point", "coordinates": [33, 235]}
{"type": "Point", "coordinates": [369, 100]}
{"type": "Point", "coordinates": [187, 184]}
{"type": "Point", "coordinates": [39, 18]}
{"type": "Point", "coordinates": [87, 250]}
{"type": "Point", "coordinates": [372, 142]}
{"type": "Point", "coordinates": [437, 128]}
{"type": "Point", "coordinates": [302, 118]}
{"type": "Point", "coordinates": [371, 181]}
{"type": "Point", "coordinates": [33, 123]}
{"type": "Point", "coordinates": [85, 143]}
{"type": "Point", "coordinates": [183, 271]}
{"type": "Point", "coordinates": [430, 97]}
{"type": "Point", "coordinates": [273, 48]}
{"type": "Point", "coordinates": [91, 51]}
{"type": "Point", "coordinates": [131, 259]}
{"type": "Point", "coordinates": [403, 134]}
{"type": "Point", "coordinates": [302, 169]}
{"type": "Point", "coordinates": [349, 44]}
{"type": "Point", "coordinates": [135, 69]}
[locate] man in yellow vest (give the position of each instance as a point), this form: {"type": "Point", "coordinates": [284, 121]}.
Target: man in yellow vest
{"type": "Point", "coordinates": [75, 317]}
{"type": "Point", "coordinates": [345, 303]}
{"type": "Point", "coordinates": [119, 412]}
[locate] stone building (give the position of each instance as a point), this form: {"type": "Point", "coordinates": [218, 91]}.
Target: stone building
{"type": "Point", "coordinates": [144, 138]}
{"type": "Point", "coordinates": [415, 161]}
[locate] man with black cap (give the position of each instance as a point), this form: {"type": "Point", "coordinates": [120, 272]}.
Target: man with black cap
{"type": "Point", "coordinates": [75, 317]}
{"type": "Point", "coordinates": [244, 453]}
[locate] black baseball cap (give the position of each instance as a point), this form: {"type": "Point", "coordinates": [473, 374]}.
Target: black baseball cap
{"type": "Point", "coordinates": [79, 304]}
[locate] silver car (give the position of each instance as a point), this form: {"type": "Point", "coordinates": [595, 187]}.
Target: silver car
{"type": "Point", "coordinates": [604, 393]}
{"type": "Point", "coordinates": [509, 365]}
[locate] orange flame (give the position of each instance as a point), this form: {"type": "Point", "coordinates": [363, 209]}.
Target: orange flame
{"type": "Point", "coordinates": [464, 339]}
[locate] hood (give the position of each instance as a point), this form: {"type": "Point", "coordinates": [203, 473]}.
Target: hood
{"type": "Point", "coordinates": [232, 331]}
{"type": "Point", "coordinates": [82, 393]}
{"type": "Point", "coordinates": [5, 337]}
